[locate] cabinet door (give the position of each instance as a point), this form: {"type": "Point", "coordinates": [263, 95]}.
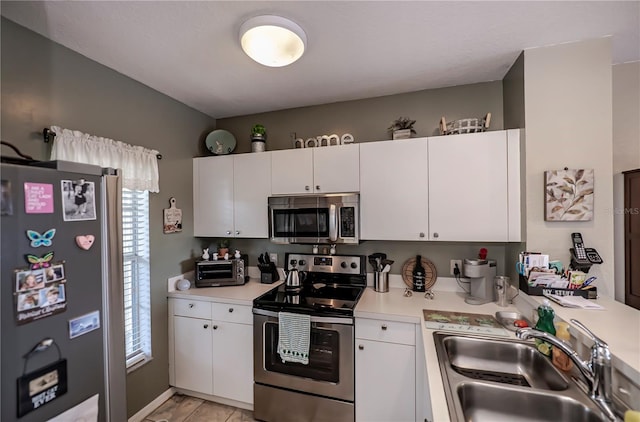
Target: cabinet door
{"type": "Point", "coordinates": [292, 171]}
{"type": "Point", "coordinates": [394, 190]}
{"type": "Point", "coordinates": [252, 187]}
{"type": "Point", "coordinates": [213, 196]}
{"type": "Point", "coordinates": [468, 187]}
{"type": "Point", "coordinates": [336, 169]}
{"type": "Point", "coordinates": [385, 382]}
{"type": "Point", "coordinates": [193, 354]}
{"type": "Point", "coordinates": [233, 361]}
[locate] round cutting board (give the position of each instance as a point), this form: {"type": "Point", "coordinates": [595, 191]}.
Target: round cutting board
{"type": "Point", "coordinates": [430, 274]}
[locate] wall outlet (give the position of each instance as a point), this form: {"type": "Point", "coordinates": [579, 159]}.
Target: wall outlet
{"type": "Point", "coordinates": [274, 258]}
{"type": "Point", "coordinates": [452, 265]}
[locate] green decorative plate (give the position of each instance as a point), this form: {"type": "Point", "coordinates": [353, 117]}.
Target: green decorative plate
{"type": "Point", "coordinates": [220, 142]}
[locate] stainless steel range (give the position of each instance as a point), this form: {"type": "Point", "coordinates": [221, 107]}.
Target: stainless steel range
{"type": "Point", "coordinates": [323, 389]}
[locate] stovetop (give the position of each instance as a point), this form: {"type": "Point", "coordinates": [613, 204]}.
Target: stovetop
{"type": "Point", "coordinates": [332, 288]}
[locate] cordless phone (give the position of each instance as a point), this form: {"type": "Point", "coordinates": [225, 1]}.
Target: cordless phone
{"type": "Point", "coordinates": [581, 254]}
{"type": "Point", "coordinates": [578, 248]}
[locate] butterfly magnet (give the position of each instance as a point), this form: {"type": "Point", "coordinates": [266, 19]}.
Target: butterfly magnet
{"type": "Point", "coordinates": [39, 262]}
{"type": "Point", "coordinates": [38, 239]}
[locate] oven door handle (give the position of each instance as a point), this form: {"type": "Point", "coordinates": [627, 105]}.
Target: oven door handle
{"type": "Point", "coordinates": [324, 320]}
{"type": "Point", "coordinates": [333, 223]}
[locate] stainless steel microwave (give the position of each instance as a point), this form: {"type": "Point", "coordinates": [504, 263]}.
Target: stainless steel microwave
{"type": "Point", "coordinates": [315, 219]}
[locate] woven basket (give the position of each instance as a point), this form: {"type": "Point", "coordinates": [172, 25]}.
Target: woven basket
{"type": "Point", "coordinates": [472, 125]}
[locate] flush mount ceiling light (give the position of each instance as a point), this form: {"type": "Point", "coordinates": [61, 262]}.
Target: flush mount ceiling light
{"type": "Point", "coordinates": [272, 40]}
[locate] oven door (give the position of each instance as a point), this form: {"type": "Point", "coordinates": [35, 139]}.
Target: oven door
{"type": "Point", "coordinates": [330, 371]}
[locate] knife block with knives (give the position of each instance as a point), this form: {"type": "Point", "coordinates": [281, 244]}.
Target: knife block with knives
{"type": "Point", "coordinates": [268, 271]}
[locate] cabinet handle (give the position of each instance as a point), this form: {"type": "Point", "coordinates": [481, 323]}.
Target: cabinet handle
{"type": "Point", "coordinates": [421, 234]}
{"type": "Point", "coordinates": [306, 187]}
{"type": "Point", "coordinates": [237, 232]}
{"type": "Point", "coordinates": [317, 187]}
{"type": "Point", "coordinates": [228, 231]}
{"type": "Point", "coordinates": [436, 235]}
{"type": "Point", "coordinates": [205, 326]}
{"type": "Point", "coordinates": [384, 327]}
{"type": "Point", "coordinates": [361, 347]}
{"type": "Point", "coordinates": [191, 305]}
{"type": "Point", "coordinates": [215, 327]}
{"type": "Point", "coordinates": [230, 309]}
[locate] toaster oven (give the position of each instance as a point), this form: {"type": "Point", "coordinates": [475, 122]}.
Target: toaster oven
{"type": "Point", "coordinates": [223, 272]}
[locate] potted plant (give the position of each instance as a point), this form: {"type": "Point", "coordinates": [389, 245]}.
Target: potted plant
{"type": "Point", "coordinates": [258, 138]}
{"type": "Point", "coordinates": [402, 128]}
{"type": "Point", "coordinates": [223, 247]}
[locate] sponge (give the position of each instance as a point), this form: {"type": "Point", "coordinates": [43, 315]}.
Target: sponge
{"type": "Point", "coordinates": [631, 416]}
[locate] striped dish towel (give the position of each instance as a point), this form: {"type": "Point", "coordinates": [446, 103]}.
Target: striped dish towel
{"type": "Point", "coordinates": [294, 332]}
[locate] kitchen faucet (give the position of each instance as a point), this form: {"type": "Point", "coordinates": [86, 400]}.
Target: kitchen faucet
{"type": "Point", "coordinates": [597, 371]}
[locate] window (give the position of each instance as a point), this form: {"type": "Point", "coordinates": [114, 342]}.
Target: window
{"type": "Point", "coordinates": [137, 301]}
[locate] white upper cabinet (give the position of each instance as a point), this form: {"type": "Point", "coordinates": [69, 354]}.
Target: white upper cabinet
{"type": "Point", "coordinates": [445, 188]}
{"type": "Point", "coordinates": [251, 189]}
{"type": "Point", "coordinates": [336, 168]}
{"type": "Point", "coordinates": [315, 170]}
{"type": "Point", "coordinates": [394, 190]}
{"type": "Point", "coordinates": [213, 196]}
{"type": "Point", "coordinates": [471, 193]}
{"type": "Point", "coordinates": [230, 195]}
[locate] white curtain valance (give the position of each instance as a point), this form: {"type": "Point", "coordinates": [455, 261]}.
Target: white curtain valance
{"type": "Point", "coordinates": [139, 165]}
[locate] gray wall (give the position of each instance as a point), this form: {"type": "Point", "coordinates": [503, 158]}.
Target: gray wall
{"type": "Point", "coordinates": [513, 87]}
{"type": "Point", "coordinates": [368, 119]}
{"type": "Point", "coordinates": [44, 84]}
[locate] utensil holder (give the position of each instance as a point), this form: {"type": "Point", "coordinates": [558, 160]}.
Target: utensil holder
{"type": "Point", "coordinates": [380, 282]}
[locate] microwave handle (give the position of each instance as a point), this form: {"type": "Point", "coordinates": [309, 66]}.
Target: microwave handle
{"type": "Point", "coordinates": [333, 223]}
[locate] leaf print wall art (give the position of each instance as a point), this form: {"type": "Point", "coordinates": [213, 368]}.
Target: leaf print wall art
{"type": "Point", "coordinates": [568, 195]}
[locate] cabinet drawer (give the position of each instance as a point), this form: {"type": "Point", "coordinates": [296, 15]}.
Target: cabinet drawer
{"type": "Point", "coordinates": [240, 314]}
{"type": "Point", "coordinates": [389, 331]}
{"type": "Point", "coordinates": [192, 308]}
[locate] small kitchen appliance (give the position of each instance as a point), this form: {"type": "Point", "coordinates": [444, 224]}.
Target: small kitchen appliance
{"type": "Point", "coordinates": [293, 281]}
{"type": "Point", "coordinates": [293, 391]}
{"type": "Point", "coordinates": [221, 272]}
{"type": "Point", "coordinates": [315, 219]}
{"type": "Point", "coordinates": [481, 273]}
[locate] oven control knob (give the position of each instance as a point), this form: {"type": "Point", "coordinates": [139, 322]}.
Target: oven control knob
{"type": "Point", "coordinates": [343, 265]}
{"type": "Point", "coordinates": [354, 265]}
{"type": "Point", "coordinates": [302, 262]}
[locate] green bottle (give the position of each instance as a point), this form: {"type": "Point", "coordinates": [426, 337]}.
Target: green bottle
{"type": "Point", "coordinates": [545, 323]}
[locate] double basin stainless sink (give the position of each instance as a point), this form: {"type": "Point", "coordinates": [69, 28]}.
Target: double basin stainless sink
{"type": "Point", "coordinates": [489, 379]}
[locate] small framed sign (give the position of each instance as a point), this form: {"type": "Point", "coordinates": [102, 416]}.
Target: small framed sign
{"type": "Point", "coordinates": [42, 385]}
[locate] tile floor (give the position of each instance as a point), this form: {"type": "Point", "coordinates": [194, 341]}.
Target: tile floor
{"type": "Point", "coordinates": [181, 408]}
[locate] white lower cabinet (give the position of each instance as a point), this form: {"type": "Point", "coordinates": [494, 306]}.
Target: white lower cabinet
{"type": "Point", "coordinates": [211, 349]}
{"type": "Point", "coordinates": [389, 377]}
{"type": "Point", "coordinates": [192, 362]}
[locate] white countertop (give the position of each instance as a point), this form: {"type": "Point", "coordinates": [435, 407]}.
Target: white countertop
{"type": "Point", "coordinates": [618, 324]}
{"type": "Point", "coordinates": [238, 295]}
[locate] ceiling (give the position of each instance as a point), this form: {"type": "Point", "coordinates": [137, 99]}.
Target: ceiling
{"type": "Point", "coordinates": [190, 50]}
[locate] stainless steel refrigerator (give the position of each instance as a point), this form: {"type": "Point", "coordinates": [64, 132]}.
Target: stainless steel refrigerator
{"type": "Point", "coordinates": [61, 302]}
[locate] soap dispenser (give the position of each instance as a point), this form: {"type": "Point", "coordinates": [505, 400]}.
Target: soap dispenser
{"type": "Point", "coordinates": [545, 323]}
{"type": "Point", "coordinates": [560, 358]}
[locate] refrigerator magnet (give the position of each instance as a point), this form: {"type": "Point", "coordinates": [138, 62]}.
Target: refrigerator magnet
{"type": "Point", "coordinates": [38, 239]}
{"type": "Point", "coordinates": [39, 293]}
{"type": "Point", "coordinates": [78, 200]}
{"type": "Point", "coordinates": [38, 198]}
{"type": "Point", "coordinates": [85, 242]}
{"type": "Point", "coordinates": [84, 324]}
{"type": "Point", "coordinates": [39, 262]}
{"type": "Point", "coordinates": [42, 385]}
{"type": "Point", "coordinates": [6, 199]}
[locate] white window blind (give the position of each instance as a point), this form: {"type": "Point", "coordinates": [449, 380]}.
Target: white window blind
{"type": "Point", "coordinates": [135, 251]}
